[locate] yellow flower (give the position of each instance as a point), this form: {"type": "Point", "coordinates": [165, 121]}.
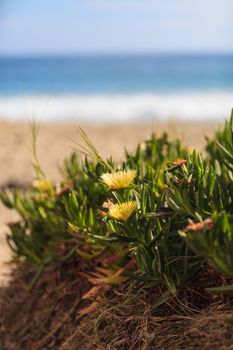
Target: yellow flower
{"type": "Point", "coordinates": [43, 185]}
{"type": "Point", "coordinates": [123, 211]}
{"type": "Point", "coordinates": [119, 179]}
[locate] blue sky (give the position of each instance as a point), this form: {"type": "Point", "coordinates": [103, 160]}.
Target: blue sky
{"type": "Point", "coordinates": [83, 26]}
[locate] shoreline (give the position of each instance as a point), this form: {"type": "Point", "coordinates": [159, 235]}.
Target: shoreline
{"type": "Point", "coordinates": [118, 107]}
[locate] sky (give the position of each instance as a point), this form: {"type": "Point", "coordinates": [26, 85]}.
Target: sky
{"type": "Point", "coordinates": [38, 27]}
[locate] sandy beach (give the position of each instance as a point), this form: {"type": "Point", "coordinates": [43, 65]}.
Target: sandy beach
{"type": "Point", "coordinates": [55, 142]}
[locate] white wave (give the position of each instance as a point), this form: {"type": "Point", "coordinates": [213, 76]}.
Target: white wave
{"type": "Point", "coordinates": [118, 108]}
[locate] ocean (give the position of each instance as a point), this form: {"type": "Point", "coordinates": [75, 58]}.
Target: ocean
{"type": "Point", "coordinates": [120, 88]}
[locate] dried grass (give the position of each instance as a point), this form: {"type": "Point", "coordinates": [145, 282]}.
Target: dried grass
{"type": "Point", "coordinates": [49, 316]}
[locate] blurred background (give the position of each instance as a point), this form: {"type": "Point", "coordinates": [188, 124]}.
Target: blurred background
{"type": "Point", "coordinates": [116, 61]}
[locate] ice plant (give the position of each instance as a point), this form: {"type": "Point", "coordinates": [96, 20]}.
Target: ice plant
{"type": "Point", "coordinates": [106, 205]}
{"type": "Point", "coordinates": [200, 226]}
{"type": "Point", "coordinates": [123, 211]}
{"type": "Point", "coordinates": [119, 179]}
{"type": "Point", "coordinates": [172, 234]}
{"type": "Point", "coordinates": [179, 162]}
{"type": "Point", "coordinates": [43, 185]}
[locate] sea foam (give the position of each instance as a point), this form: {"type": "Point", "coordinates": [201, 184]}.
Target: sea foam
{"type": "Point", "coordinates": [118, 107]}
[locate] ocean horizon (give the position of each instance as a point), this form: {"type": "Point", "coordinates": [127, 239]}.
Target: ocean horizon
{"type": "Point", "coordinates": [117, 88]}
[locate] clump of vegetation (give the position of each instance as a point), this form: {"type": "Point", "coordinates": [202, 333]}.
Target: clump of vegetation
{"type": "Point", "coordinates": [158, 216]}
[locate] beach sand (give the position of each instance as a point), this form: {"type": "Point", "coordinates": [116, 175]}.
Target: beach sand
{"type": "Point", "coordinates": [55, 142]}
